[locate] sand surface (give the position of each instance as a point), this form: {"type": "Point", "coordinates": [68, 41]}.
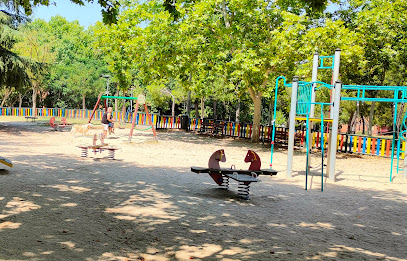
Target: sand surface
{"type": "Point", "coordinates": [148, 205]}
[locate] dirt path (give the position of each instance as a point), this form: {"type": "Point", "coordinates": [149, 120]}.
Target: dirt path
{"type": "Point", "coordinates": [147, 205]}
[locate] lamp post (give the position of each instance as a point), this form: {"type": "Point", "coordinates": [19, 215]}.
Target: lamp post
{"type": "Point", "coordinates": [107, 76]}
{"type": "Point", "coordinates": [173, 101]}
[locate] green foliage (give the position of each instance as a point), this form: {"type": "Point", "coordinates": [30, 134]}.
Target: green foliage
{"type": "Point", "coordinates": [222, 51]}
{"type": "Point", "coordinates": [13, 68]}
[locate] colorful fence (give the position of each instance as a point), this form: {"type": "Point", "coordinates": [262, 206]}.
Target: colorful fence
{"type": "Point", "coordinates": [347, 143]}
{"type": "Point", "coordinates": [77, 114]}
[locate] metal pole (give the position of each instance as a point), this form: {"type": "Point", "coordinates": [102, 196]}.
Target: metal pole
{"type": "Point", "coordinates": [274, 120]}
{"type": "Point", "coordinates": [107, 91]}
{"type": "Point", "coordinates": [405, 166]}
{"type": "Point", "coordinates": [291, 133]}
{"type": "Point", "coordinates": [95, 108]}
{"type": "Point", "coordinates": [334, 131]}
{"type": "Point", "coordinates": [133, 123]}
{"type": "Point", "coordinates": [322, 148]}
{"type": "Point", "coordinates": [310, 125]}
{"type": "Point", "coordinates": [314, 85]}
{"type": "Point", "coordinates": [335, 75]}
{"type": "Point", "coordinates": [396, 95]}
{"type": "Point", "coordinates": [308, 149]}
{"type": "Point", "coordinates": [150, 120]}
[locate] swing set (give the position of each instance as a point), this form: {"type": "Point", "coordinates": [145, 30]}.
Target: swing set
{"type": "Point", "coordinates": [140, 100]}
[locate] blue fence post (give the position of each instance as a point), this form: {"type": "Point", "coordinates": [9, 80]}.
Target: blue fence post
{"type": "Point", "coordinates": [364, 145]}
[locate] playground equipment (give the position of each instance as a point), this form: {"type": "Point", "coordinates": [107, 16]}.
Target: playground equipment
{"type": "Point", "coordinates": [56, 125]}
{"type": "Point", "coordinates": [303, 104]}
{"type": "Point", "coordinates": [303, 95]}
{"type": "Point", "coordinates": [221, 176]}
{"type": "Point", "coordinates": [6, 162]}
{"type": "Point", "coordinates": [98, 148]}
{"type": "Point", "coordinates": [402, 151]}
{"type": "Point", "coordinates": [140, 100]}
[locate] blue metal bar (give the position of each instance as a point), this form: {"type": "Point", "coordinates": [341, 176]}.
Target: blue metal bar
{"type": "Point", "coordinates": [322, 62]}
{"type": "Point", "coordinates": [274, 118]}
{"type": "Point", "coordinates": [396, 95]}
{"type": "Point", "coordinates": [373, 99]}
{"type": "Point", "coordinates": [398, 155]}
{"type": "Point", "coordinates": [322, 148]}
{"type": "Point", "coordinates": [307, 146]}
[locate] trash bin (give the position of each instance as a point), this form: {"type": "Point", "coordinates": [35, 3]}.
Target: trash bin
{"type": "Point", "coordinates": [185, 122]}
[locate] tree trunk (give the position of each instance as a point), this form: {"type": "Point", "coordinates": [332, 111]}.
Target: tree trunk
{"type": "Point", "coordinates": [34, 98]}
{"type": "Point", "coordinates": [202, 107]}
{"type": "Point", "coordinates": [351, 122]}
{"type": "Point", "coordinates": [83, 101]}
{"type": "Point", "coordinates": [20, 100]}
{"type": "Point", "coordinates": [189, 104]}
{"type": "Point", "coordinates": [196, 110]}
{"type": "Point", "coordinates": [7, 93]}
{"type": "Point", "coordinates": [271, 111]}
{"type": "Point", "coordinates": [115, 100]}
{"type": "Point", "coordinates": [173, 106]}
{"type": "Point", "coordinates": [256, 97]}
{"type": "Point", "coordinates": [371, 114]}
{"type": "Point", "coordinates": [400, 115]}
{"type": "Point", "coordinates": [122, 118]}
{"type": "Point", "coordinates": [215, 116]}
{"type": "Point", "coordinates": [238, 111]}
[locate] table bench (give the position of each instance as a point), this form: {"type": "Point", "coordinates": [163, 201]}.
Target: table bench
{"type": "Point", "coordinates": [212, 128]}
{"type": "Point", "coordinates": [32, 118]}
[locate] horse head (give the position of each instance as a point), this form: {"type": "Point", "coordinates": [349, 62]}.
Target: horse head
{"type": "Point", "coordinates": [252, 157]}
{"type": "Point", "coordinates": [217, 156]}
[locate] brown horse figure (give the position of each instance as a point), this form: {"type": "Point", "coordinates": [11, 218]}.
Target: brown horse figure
{"type": "Point", "coordinates": [252, 157]}
{"type": "Point", "coordinates": [213, 163]}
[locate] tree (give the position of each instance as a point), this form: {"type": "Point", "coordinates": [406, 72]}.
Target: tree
{"type": "Point", "coordinates": [37, 46]}
{"type": "Point", "coordinates": [13, 68]}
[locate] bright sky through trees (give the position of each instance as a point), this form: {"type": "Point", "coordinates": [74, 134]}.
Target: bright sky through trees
{"type": "Point", "coordinates": [86, 15]}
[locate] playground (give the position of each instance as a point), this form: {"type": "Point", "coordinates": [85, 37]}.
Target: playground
{"type": "Point", "coordinates": [148, 205]}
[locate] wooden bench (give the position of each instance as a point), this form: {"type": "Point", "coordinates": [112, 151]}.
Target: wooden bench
{"type": "Point", "coordinates": [32, 118]}
{"type": "Point", "coordinates": [244, 177]}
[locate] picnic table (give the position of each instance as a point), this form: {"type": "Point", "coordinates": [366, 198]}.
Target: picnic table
{"type": "Point", "coordinates": [212, 128]}
{"type": "Point", "coordinates": [32, 118]}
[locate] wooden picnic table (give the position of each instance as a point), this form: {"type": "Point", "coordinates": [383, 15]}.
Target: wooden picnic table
{"type": "Point", "coordinates": [212, 128]}
{"type": "Point", "coordinates": [32, 118]}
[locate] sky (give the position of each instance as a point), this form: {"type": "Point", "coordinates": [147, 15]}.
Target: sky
{"type": "Point", "coordinates": [86, 15]}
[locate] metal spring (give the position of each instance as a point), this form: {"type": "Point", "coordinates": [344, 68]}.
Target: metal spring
{"type": "Point", "coordinates": [243, 190]}
{"type": "Point", "coordinates": [225, 182]}
{"type": "Point", "coordinates": [111, 154]}
{"type": "Point", "coordinates": [84, 153]}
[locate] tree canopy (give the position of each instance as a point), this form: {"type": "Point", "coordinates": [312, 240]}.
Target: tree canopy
{"type": "Point", "coordinates": [222, 56]}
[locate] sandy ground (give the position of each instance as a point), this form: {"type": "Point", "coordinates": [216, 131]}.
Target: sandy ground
{"type": "Point", "coordinates": [147, 205]}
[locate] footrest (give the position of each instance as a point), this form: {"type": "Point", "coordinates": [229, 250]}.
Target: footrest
{"type": "Point", "coordinates": [242, 177]}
